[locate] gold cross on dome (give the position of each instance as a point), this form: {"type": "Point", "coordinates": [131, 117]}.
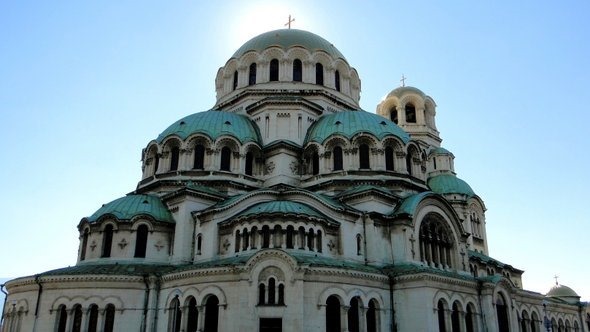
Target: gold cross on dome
{"type": "Point", "coordinates": [290, 21]}
{"type": "Point", "coordinates": [556, 276]}
{"type": "Point", "coordinates": [403, 80]}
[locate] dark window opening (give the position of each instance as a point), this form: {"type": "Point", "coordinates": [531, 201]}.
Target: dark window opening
{"type": "Point", "coordinates": [265, 236]}
{"type": "Point", "coordinates": [469, 319]}
{"type": "Point", "coordinates": [353, 315]}
{"type": "Point", "coordinates": [337, 80]}
{"type": "Point", "coordinates": [364, 157]}
{"type": "Point", "coordinates": [274, 70]}
{"type": "Point", "coordinates": [141, 241]}
{"type": "Point", "coordinates": [393, 115]}
{"type": "Point", "coordinates": [193, 316]}
{"type": "Point", "coordinates": [410, 113]}
{"type": "Point", "coordinates": [319, 74]}
{"type": "Point", "coordinates": [371, 317]}
{"type": "Point", "coordinates": [441, 317]}
{"type": "Point", "coordinates": [252, 74]}
{"type": "Point", "coordinates": [249, 163]}
{"type": "Point", "coordinates": [63, 318]}
{"type": "Point", "coordinates": [84, 245]}
{"type": "Point", "coordinates": [271, 325]}
{"type": "Point", "coordinates": [358, 244]}
{"type": "Point", "coordinates": [235, 83]}
{"type": "Point", "coordinates": [225, 159]}
{"type": "Point", "coordinates": [435, 243]}
{"type": "Point", "coordinates": [502, 313]}
{"type": "Point", "coordinates": [389, 155]}
{"type": "Point", "coordinates": [107, 241]}
{"type": "Point", "coordinates": [77, 324]}
{"type": "Point", "coordinates": [199, 161]}
{"type": "Point", "coordinates": [319, 241]}
{"type": "Point", "coordinates": [338, 162]}
{"type": "Point", "coordinates": [271, 291]}
{"type": "Point", "coordinates": [315, 164]}
{"type": "Point", "coordinates": [199, 243]}
{"type": "Point", "coordinates": [156, 163]}
{"type": "Point", "coordinates": [290, 231]}
{"type": "Point", "coordinates": [211, 314]}
{"type": "Point", "coordinates": [333, 314]}
{"type": "Point", "coordinates": [109, 319]}
{"type": "Point", "coordinates": [297, 70]}
{"type": "Point", "coordinates": [175, 154]}
{"type": "Point", "coordinates": [455, 322]}
{"type": "Point", "coordinates": [261, 294]}
{"type": "Point", "coordinates": [281, 294]}
{"type": "Point", "coordinates": [176, 315]}
{"type": "Point", "coordinates": [409, 163]}
{"type": "Point", "coordinates": [93, 319]}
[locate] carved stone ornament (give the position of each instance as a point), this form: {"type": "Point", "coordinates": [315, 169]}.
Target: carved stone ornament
{"type": "Point", "coordinates": [159, 245]}
{"type": "Point", "coordinates": [331, 245]}
{"type": "Point", "coordinates": [226, 244]}
{"type": "Point", "coordinates": [92, 245]}
{"type": "Point", "coordinates": [123, 243]}
{"type": "Point", "coordinates": [294, 166]}
{"type": "Point", "coordinates": [270, 167]}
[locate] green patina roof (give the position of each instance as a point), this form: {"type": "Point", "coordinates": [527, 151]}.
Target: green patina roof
{"type": "Point", "coordinates": [314, 260]}
{"type": "Point", "coordinates": [440, 150]}
{"type": "Point", "coordinates": [449, 184]}
{"type": "Point", "coordinates": [409, 204]}
{"type": "Point", "coordinates": [127, 207]}
{"type": "Point", "coordinates": [287, 38]}
{"type": "Point", "coordinates": [562, 291]}
{"type": "Point", "coordinates": [489, 260]}
{"type": "Point", "coordinates": [214, 123]}
{"type": "Point", "coordinates": [351, 123]}
{"type": "Point", "coordinates": [364, 188]}
{"type": "Point", "coordinates": [284, 207]}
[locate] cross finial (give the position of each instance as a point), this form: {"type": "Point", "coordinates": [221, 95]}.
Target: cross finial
{"type": "Point", "coordinates": [556, 276]}
{"type": "Point", "coordinates": [290, 21]}
{"type": "Point", "coordinates": [403, 80]}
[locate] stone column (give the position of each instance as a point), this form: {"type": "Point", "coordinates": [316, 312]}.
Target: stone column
{"type": "Point", "coordinates": [201, 321]}
{"type": "Point", "coordinates": [344, 317]}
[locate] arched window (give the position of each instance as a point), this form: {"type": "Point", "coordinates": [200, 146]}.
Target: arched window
{"type": "Point", "coordinates": [252, 74]}
{"type": "Point", "coordinates": [175, 154]}
{"type": "Point", "coordinates": [455, 322]}
{"type": "Point", "coordinates": [310, 239]}
{"type": "Point", "coordinates": [249, 163]}
{"type": "Point", "coordinates": [301, 238]}
{"type": "Point", "coordinates": [277, 237]}
{"type": "Point", "coordinates": [524, 318]}
{"type": "Point", "coordinates": [156, 163]}
{"type": "Point", "coordinates": [199, 243]}
{"type": "Point", "coordinates": [319, 74]}
{"type": "Point", "coordinates": [62, 318]}
{"type": "Point", "coordinates": [274, 70]}
{"type": "Point", "coordinates": [297, 70]}
{"type": "Point", "coordinates": [319, 241]}
{"type": "Point", "coordinates": [502, 313]}
{"type": "Point", "coordinates": [469, 315]}
{"type": "Point", "coordinates": [237, 241]}
{"type": "Point", "coordinates": [290, 231]}
{"type": "Point", "coordinates": [265, 236]}
{"type": "Point", "coordinates": [332, 314]}
{"type": "Point", "coordinates": [77, 323]}
{"type": "Point", "coordinates": [337, 80]}
{"type": "Point", "coordinates": [235, 82]}
{"type": "Point", "coordinates": [254, 238]}
{"type": "Point", "coordinates": [337, 158]}
{"type": "Point", "coordinates": [107, 241]}
{"type": "Point", "coordinates": [84, 245]}
{"type": "Point", "coordinates": [245, 239]}
{"type": "Point", "coordinates": [175, 315]}
{"type": "Point", "coordinates": [199, 160]}
{"type": "Point", "coordinates": [92, 318]}
{"type": "Point", "coordinates": [353, 315]}
{"type": "Point", "coordinates": [410, 113]}
{"type": "Point", "coordinates": [389, 158]}
{"type": "Point", "coordinates": [193, 316]}
{"type": "Point", "coordinates": [315, 163]}
{"type": "Point", "coordinates": [371, 317]}
{"type": "Point", "coordinates": [358, 244]}
{"type": "Point", "coordinates": [442, 325]}
{"type": "Point", "coordinates": [393, 115]}
{"type": "Point", "coordinates": [364, 157]}
{"type": "Point", "coordinates": [109, 318]}
{"type": "Point", "coordinates": [141, 241]}
{"type": "Point", "coordinates": [281, 294]}
{"type": "Point", "coordinates": [409, 163]}
{"type": "Point", "coordinates": [271, 291]}
{"type": "Point", "coordinates": [211, 314]}
{"type": "Point", "coordinates": [225, 159]}
{"type": "Point", "coordinates": [435, 242]}
{"type": "Point", "coordinates": [534, 322]}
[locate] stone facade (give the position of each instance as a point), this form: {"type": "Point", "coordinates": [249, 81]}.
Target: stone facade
{"type": "Point", "coordinates": [288, 208]}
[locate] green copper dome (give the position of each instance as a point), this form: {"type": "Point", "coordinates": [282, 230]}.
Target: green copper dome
{"type": "Point", "coordinates": [214, 124]}
{"type": "Point", "coordinates": [562, 291]}
{"type": "Point", "coordinates": [286, 39]}
{"type": "Point", "coordinates": [449, 184]}
{"type": "Point", "coordinates": [125, 208]}
{"type": "Point", "coordinates": [351, 123]}
{"type": "Point", "coordinates": [282, 207]}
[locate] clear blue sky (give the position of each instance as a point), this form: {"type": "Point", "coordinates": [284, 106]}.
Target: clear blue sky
{"type": "Point", "coordinates": [85, 85]}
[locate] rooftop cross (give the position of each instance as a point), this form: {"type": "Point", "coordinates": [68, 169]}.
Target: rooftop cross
{"type": "Point", "coordinates": [290, 21]}
{"type": "Point", "coordinates": [556, 276]}
{"type": "Point", "coordinates": [403, 80]}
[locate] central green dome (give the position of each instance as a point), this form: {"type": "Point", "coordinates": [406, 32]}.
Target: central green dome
{"type": "Point", "coordinates": [286, 39]}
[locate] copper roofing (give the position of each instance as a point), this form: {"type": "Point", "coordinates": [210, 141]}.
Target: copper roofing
{"type": "Point", "coordinates": [125, 208]}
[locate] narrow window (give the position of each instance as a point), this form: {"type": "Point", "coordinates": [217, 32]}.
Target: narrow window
{"type": "Point", "coordinates": [319, 241]}
{"type": "Point", "coordinates": [290, 231]}
{"type": "Point", "coordinates": [199, 243]}
{"type": "Point", "coordinates": [337, 80]}
{"type": "Point", "coordinates": [389, 158]}
{"type": "Point", "coordinates": [62, 319]}
{"type": "Point", "coordinates": [199, 161]}
{"type": "Point", "coordinates": [393, 115]}
{"type": "Point", "coordinates": [502, 313]}
{"type": "Point", "coordinates": [77, 324]}
{"type": "Point", "coordinates": [409, 162]}
{"type": "Point", "coordinates": [265, 236]}
{"type": "Point", "coordinates": [315, 164]}
{"type": "Point", "coordinates": [455, 323]}
{"type": "Point", "coordinates": [156, 163]}
{"type": "Point", "coordinates": [297, 70]}
{"type": "Point", "coordinates": [338, 164]}
{"type": "Point", "coordinates": [442, 326]}
{"type": "Point", "coordinates": [372, 317]}
{"type": "Point", "coordinates": [246, 240]}
{"type": "Point", "coordinates": [469, 319]}
{"type": "Point", "coordinates": [93, 318]}
{"type": "Point", "coordinates": [235, 83]}
{"type": "Point", "coordinates": [358, 244]}
{"type": "Point", "coordinates": [301, 238]}
{"type": "Point", "coordinates": [84, 245]}
{"type": "Point", "coordinates": [225, 159]}
{"type": "Point", "coordinates": [410, 113]}
{"type": "Point", "coordinates": [364, 156]}
{"type": "Point", "coordinates": [175, 154]}
{"type": "Point", "coordinates": [252, 75]}
{"type": "Point", "coordinates": [353, 315]}
{"type": "Point", "coordinates": [237, 241]}
{"type": "Point", "coordinates": [141, 241]}
{"type": "Point", "coordinates": [274, 70]}
{"type": "Point", "coordinates": [107, 241]}
{"type": "Point", "coordinates": [435, 242]}
{"type": "Point", "coordinates": [254, 238]}
{"type": "Point", "coordinates": [175, 313]}
{"type": "Point", "coordinates": [310, 239]}
{"type": "Point", "coordinates": [109, 319]}
{"type": "Point", "coordinates": [193, 316]}
{"type": "Point", "coordinates": [271, 291]}
{"type": "Point", "coordinates": [281, 294]}
{"type": "Point", "coordinates": [211, 314]}
{"type": "Point", "coordinates": [319, 74]}
{"type": "Point", "coordinates": [333, 314]}
{"type": "Point", "coordinates": [434, 162]}
{"type": "Point", "coordinates": [249, 162]}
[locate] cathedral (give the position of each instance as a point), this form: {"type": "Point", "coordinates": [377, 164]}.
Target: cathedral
{"type": "Point", "coordinates": [286, 207]}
